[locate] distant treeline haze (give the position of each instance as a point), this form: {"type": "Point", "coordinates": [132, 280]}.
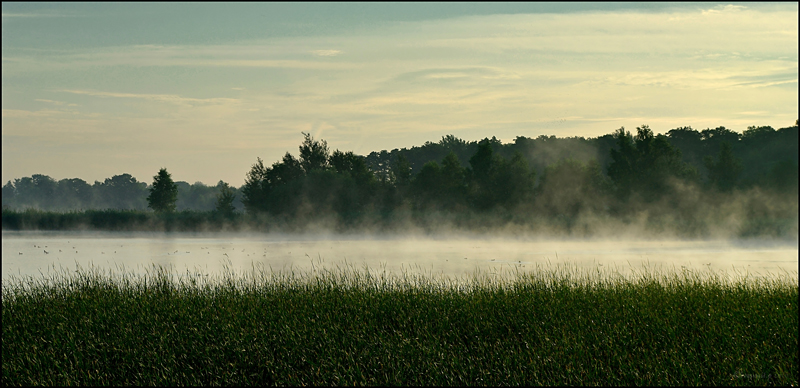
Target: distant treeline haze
{"type": "Point", "coordinates": [120, 192]}
{"type": "Point", "coordinates": [682, 175]}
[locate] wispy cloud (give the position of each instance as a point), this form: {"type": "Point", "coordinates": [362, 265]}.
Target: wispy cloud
{"type": "Point", "coordinates": [723, 8]}
{"type": "Point", "coordinates": [327, 53]}
{"type": "Point", "coordinates": [42, 14]}
{"type": "Point", "coordinates": [59, 103]}
{"type": "Point", "coordinates": [170, 98]}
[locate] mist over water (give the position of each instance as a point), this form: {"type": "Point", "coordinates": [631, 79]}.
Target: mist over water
{"type": "Point", "coordinates": [453, 256]}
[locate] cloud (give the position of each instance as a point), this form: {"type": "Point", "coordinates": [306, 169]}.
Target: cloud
{"type": "Point", "coordinates": [401, 84]}
{"type": "Point", "coordinates": [21, 114]}
{"type": "Point", "coordinates": [170, 98]}
{"type": "Point", "coordinates": [723, 8]}
{"type": "Point", "coordinates": [252, 55]}
{"type": "Point", "coordinates": [59, 103]}
{"type": "Point", "coordinates": [36, 15]}
{"type": "Point", "coordinates": [47, 113]}
{"type": "Point", "coordinates": [327, 53]}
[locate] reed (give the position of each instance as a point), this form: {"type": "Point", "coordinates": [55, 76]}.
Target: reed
{"type": "Point", "coordinates": [554, 325]}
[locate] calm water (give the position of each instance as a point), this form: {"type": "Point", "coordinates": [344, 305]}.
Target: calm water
{"type": "Point", "coordinates": [32, 253]}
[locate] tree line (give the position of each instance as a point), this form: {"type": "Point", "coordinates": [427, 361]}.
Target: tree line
{"type": "Point", "coordinates": [682, 172]}
{"type": "Point", "coordinates": [120, 192]}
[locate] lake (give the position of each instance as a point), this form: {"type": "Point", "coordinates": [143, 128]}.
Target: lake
{"type": "Point", "coordinates": [32, 253]}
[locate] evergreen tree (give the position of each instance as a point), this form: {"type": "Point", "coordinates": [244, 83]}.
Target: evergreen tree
{"type": "Point", "coordinates": [163, 193]}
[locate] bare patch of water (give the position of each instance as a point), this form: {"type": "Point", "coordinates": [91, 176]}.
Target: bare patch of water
{"type": "Point", "coordinates": [32, 253]}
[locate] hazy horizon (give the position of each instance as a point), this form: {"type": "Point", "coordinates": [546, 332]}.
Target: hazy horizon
{"type": "Point", "coordinates": [96, 90]}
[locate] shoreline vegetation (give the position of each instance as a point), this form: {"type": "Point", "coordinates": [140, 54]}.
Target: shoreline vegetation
{"type": "Point", "coordinates": [776, 223]}
{"type": "Point", "coordinates": [555, 325]}
{"type": "Point", "coordinates": [714, 183]}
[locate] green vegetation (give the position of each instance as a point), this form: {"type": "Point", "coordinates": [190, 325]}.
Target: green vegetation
{"type": "Point", "coordinates": [163, 193]}
{"type": "Point", "coordinates": [125, 220]}
{"type": "Point", "coordinates": [714, 183]}
{"type": "Point", "coordinates": [343, 327]}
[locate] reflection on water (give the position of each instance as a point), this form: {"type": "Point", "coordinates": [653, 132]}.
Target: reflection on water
{"type": "Point", "coordinates": [31, 253]}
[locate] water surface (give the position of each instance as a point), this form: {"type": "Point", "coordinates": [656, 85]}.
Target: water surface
{"type": "Point", "coordinates": [32, 253]}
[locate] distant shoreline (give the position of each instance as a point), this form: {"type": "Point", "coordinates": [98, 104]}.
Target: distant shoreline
{"type": "Point", "coordinates": [438, 224]}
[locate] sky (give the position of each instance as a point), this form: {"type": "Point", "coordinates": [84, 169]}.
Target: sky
{"type": "Point", "coordinates": [95, 90]}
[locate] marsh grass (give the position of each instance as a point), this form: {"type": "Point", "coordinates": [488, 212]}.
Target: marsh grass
{"type": "Point", "coordinates": [555, 325]}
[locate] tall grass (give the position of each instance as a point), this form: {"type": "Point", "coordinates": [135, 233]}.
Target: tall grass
{"type": "Point", "coordinates": [345, 326]}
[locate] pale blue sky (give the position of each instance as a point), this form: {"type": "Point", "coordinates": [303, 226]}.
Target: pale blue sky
{"type": "Point", "coordinates": [95, 90]}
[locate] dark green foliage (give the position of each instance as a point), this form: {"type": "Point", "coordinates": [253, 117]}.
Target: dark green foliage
{"type": "Point", "coordinates": [401, 172]}
{"type": "Point", "coordinates": [438, 187]}
{"type": "Point", "coordinates": [352, 165]}
{"type": "Point", "coordinates": [646, 164]}
{"type": "Point", "coordinates": [550, 327]}
{"type": "Point", "coordinates": [256, 187]}
{"type": "Point", "coordinates": [125, 192]}
{"type": "Point", "coordinates": [425, 185]}
{"type": "Point", "coordinates": [125, 220]}
{"type": "Point", "coordinates": [313, 154]}
{"type": "Point", "coordinates": [225, 199]}
{"type": "Point", "coordinates": [648, 178]}
{"type": "Point", "coordinates": [691, 144]}
{"type": "Point", "coordinates": [783, 177]}
{"type": "Point", "coordinates": [73, 193]}
{"type": "Point", "coordinates": [163, 193]}
{"type": "Point", "coordinates": [724, 172]}
{"type": "Point", "coordinates": [570, 188]}
{"type": "Point", "coordinates": [495, 181]}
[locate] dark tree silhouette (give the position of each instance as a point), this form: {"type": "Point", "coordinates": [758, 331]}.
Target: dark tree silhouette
{"type": "Point", "coordinates": [401, 172]}
{"type": "Point", "coordinates": [724, 172]}
{"type": "Point", "coordinates": [254, 191]}
{"type": "Point", "coordinates": [453, 178]}
{"type": "Point", "coordinates": [225, 199]}
{"type": "Point", "coordinates": [9, 195]}
{"type": "Point", "coordinates": [123, 192]}
{"type": "Point", "coordinates": [352, 165]}
{"type": "Point", "coordinates": [313, 154]}
{"type": "Point", "coordinates": [645, 164]}
{"type": "Point", "coordinates": [570, 187]}
{"type": "Point", "coordinates": [163, 193]}
{"type": "Point", "coordinates": [485, 166]}
{"type": "Point", "coordinates": [74, 194]}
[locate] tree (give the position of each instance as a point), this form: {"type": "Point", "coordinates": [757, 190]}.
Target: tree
{"type": "Point", "coordinates": [123, 192]}
{"type": "Point", "coordinates": [753, 132]}
{"type": "Point", "coordinates": [440, 187]}
{"type": "Point", "coordinates": [496, 181]}
{"type": "Point", "coordinates": [401, 172]}
{"type": "Point", "coordinates": [254, 191]}
{"type": "Point", "coordinates": [9, 195]}
{"type": "Point", "coordinates": [313, 154]}
{"type": "Point", "coordinates": [225, 199]}
{"type": "Point", "coordinates": [425, 188]}
{"type": "Point", "coordinates": [75, 194]}
{"type": "Point", "coordinates": [348, 163]}
{"type": "Point", "coordinates": [483, 175]}
{"type": "Point", "coordinates": [646, 163]}
{"type": "Point", "coordinates": [163, 193]}
{"type": "Point", "coordinates": [453, 184]}
{"type": "Point", "coordinates": [570, 187]}
{"type": "Point", "coordinates": [724, 172]}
